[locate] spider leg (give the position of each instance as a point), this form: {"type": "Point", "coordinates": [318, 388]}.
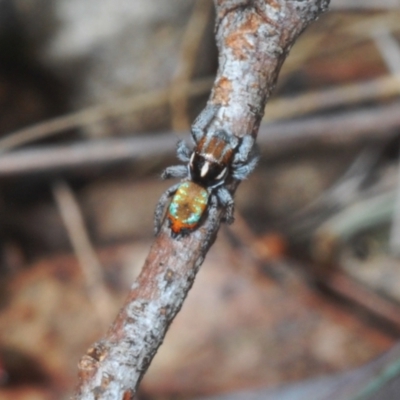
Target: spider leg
{"type": "Point", "coordinates": [244, 150]}
{"type": "Point", "coordinates": [226, 200]}
{"type": "Point", "coordinates": [183, 151]}
{"type": "Point", "coordinates": [227, 137]}
{"type": "Point", "coordinates": [243, 171]}
{"type": "Point", "coordinates": [213, 209]}
{"type": "Point", "coordinates": [212, 220]}
{"type": "Point", "coordinates": [203, 120]}
{"type": "Point", "coordinates": [176, 171]}
{"type": "Point", "coordinates": [161, 206]}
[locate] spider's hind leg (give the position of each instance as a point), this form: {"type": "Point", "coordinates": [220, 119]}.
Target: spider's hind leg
{"type": "Point", "coordinates": [158, 214]}
{"type": "Point", "coordinates": [226, 200]}
{"type": "Point", "coordinates": [212, 221]}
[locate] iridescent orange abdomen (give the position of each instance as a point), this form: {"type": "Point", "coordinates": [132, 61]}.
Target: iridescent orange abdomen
{"type": "Point", "coordinates": [187, 207]}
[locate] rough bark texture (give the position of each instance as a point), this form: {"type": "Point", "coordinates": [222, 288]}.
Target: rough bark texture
{"type": "Point", "coordinates": [113, 367]}
{"type": "Point", "coordinates": [253, 38]}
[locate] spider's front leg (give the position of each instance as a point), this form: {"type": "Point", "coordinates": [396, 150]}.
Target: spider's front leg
{"type": "Point", "coordinates": [242, 171]}
{"type": "Point", "coordinates": [226, 200]}
{"type": "Point", "coordinates": [161, 206]}
{"type": "Point", "coordinates": [245, 158]}
{"type": "Point", "coordinates": [203, 120]}
{"type": "Point", "coordinates": [176, 171]}
{"type": "Point", "coordinates": [244, 150]}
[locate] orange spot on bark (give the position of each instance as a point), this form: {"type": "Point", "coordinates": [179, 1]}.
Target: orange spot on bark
{"type": "Point", "coordinates": [223, 89]}
{"type": "Point", "coordinates": [251, 25]}
{"type": "Point", "coordinates": [239, 41]}
{"type": "Point", "coordinates": [128, 395]}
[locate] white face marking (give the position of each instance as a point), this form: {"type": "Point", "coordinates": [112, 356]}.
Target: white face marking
{"type": "Point", "coordinates": [191, 159]}
{"type": "Point", "coordinates": [204, 169]}
{"type": "Point", "coordinates": [221, 175]}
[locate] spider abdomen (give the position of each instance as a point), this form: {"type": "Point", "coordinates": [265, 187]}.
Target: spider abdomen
{"type": "Point", "coordinates": [187, 207]}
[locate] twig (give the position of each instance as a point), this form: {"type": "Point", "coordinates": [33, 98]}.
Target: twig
{"type": "Point", "coordinates": [253, 38]}
{"type": "Point", "coordinates": [186, 63]}
{"type": "Point", "coordinates": [350, 127]}
{"type": "Point", "coordinates": [252, 34]}
{"type": "Point", "coordinates": [365, 26]}
{"type": "Point", "coordinates": [376, 380]}
{"type": "Point", "coordinates": [388, 48]}
{"type": "Point", "coordinates": [390, 52]}
{"type": "Point", "coordinates": [357, 293]}
{"type": "Point", "coordinates": [394, 238]}
{"type": "Point", "coordinates": [280, 108]}
{"type": "Point", "coordinates": [381, 381]}
{"type": "Point", "coordinates": [370, 123]}
{"type": "Point", "coordinates": [345, 224]}
{"type": "Point", "coordinates": [88, 260]}
{"type": "Point", "coordinates": [344, 95]}
{"type": "Point", "coordinates": [98, 113]}
{"type": "Point", "coordinates": [345, 191]}
{"type": "Point", "coordinates": [85, 154]}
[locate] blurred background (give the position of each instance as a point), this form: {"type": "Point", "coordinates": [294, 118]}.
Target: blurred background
{"type": "Point", "coordinates": [94, 95]}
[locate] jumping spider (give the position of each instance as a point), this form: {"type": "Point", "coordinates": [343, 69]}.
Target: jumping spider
{"type": "Point", "coordinates": [216, 157]}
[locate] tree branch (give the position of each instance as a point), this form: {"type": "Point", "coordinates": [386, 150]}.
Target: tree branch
{"type": "Point", "coordinates": [253, 38]}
